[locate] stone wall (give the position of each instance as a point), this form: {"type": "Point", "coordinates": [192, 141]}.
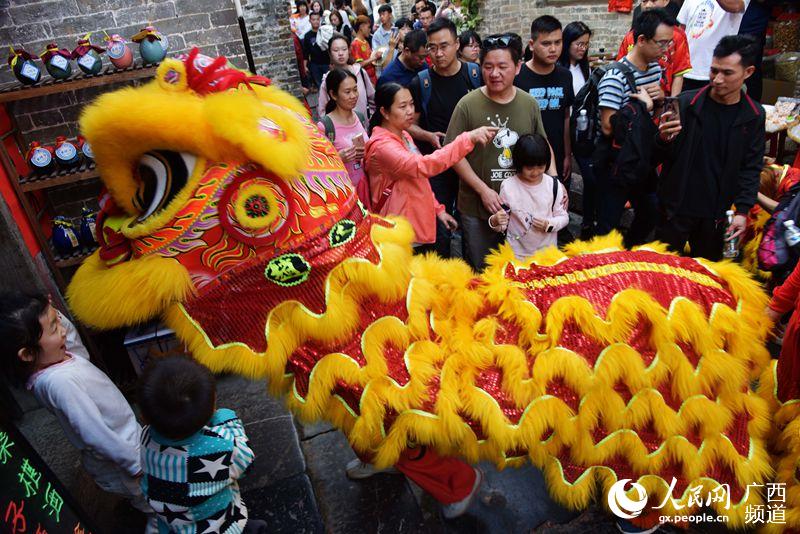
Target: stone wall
{"type": "Point", "coordinates": [209, 24]}
{"type": "Point", "coordinates": [517, 15]}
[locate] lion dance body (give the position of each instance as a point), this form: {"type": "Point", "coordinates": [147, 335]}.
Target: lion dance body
{"type": "Point", "coordinates": [231, 217]}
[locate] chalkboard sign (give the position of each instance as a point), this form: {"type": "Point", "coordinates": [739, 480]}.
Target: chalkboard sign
{"type": "Point", "coordinates": [32, 500]}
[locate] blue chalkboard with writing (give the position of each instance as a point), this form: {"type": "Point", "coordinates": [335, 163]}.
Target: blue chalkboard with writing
{"type": "Point", "coordinates": [32, 500]}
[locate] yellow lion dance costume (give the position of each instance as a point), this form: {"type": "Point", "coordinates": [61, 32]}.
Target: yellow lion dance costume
{"type": "Point", "coordinates": [233, 218]}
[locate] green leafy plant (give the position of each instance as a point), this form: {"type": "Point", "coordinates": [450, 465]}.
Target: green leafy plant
{"type": "Point", "coordinates": [469, 19]}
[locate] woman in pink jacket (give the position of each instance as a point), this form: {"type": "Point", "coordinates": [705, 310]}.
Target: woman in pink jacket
{"type": "Point", "coordinates": [398, 173]}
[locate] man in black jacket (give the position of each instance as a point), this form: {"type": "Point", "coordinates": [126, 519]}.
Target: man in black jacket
{"type": "Point", "coordinates": [712, 156]}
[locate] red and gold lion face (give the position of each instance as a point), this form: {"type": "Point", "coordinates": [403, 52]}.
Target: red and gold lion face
{"type": "Point", "coordinates": [225, 192]}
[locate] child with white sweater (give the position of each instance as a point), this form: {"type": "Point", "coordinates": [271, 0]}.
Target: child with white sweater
{"type": "Point", "coordinates": [534, 202]}
{"type": "Point", "coordinates": [42, 350]}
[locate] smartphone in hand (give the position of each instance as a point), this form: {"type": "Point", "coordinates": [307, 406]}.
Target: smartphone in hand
{"type": "Point", "coordinates": [672, 107]}
{"type": "Point", "coordinates": [358, 140]}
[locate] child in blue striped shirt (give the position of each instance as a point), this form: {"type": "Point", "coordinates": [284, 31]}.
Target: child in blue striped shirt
{"type": "Point", "coordinates": [192, 453]}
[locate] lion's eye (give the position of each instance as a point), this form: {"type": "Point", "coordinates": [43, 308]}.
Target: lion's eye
{"type": "Point", "coordinates": [160, 175]}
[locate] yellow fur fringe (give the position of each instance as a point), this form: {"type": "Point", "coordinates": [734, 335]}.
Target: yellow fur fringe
{"type": "Point", "coordinates": [439, 294]}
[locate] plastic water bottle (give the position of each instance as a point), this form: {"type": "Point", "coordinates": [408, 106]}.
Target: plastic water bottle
{"type": "Point", "coordinates": [791, 234]}
{"type": "Point", "coordinates": [582, 122]}
{"type": "Point", "coordinates": [731, 249]}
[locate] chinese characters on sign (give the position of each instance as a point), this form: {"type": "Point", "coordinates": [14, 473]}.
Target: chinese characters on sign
{"type": "Point", "coordinates": [31, 498]}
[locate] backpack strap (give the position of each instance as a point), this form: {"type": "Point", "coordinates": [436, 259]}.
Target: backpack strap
{"type": "Point", "coordinates": [474, 73]}
{"type": "Point", "coordinates": [555, 195]}
{"type": "Point", "coordinates": [425, 88]}
{"type": "Point", "coordinates": [361, 118]}
{"type": "Point", "coordinates": [626, 71]}
{"type": "Point", "coordinates": [330, 129]}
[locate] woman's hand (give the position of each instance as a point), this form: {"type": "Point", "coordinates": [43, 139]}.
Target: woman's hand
{"type": "Point", "coordinates": [483, 135]}
{"type": "Point", "coordinates": [499, 221]}
{"type": "Point", "coordinates": [448, 220]}
{"type": "Point", "coordinates": [348, 154]}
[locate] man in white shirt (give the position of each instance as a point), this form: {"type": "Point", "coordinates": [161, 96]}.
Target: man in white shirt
{"type": "Point", "coordinates": [706, 22]}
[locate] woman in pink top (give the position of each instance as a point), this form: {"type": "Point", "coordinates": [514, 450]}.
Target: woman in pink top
{"type": "Point", "coordinates": [343, 126]}
{"type": "Point", "coordinates": [398, 173]}
{"type": "Point", "coordinates": [339, 50]}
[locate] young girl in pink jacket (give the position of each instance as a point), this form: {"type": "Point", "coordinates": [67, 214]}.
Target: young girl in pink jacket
{"type": "Point", "coordinates": [398, 173]}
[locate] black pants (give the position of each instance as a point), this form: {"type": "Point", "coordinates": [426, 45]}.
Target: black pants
{"type": "Point", "coordinates": [705, 236]}
{"type": "Point", "coordinates": [317, 71]}
{"type": "Point", "coordinates": [589, 192]}
{"type": "Point", "coordinates": [445, 189]}
{"type": "Point", "coordinates": [613, 197]}
{"type": "Point", "coordinates": [255, 526]}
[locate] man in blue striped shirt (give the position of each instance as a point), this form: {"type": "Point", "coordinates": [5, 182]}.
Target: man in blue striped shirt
{"type": "Point", "coordinates": [192, 453]}
{"type": "Point", "coordinates": [636, 76]}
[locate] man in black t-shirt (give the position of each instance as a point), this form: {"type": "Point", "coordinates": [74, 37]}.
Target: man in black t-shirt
{"type": "Point", "coordinates": [712, 155]}
{"type": "Point", "coordinates": [435, 97]}
{"type": "Point", "coordinates": [317, 60]}
{"type": "Point", "coordinates": [551, 85]}
{"type": "Point", "coordinates": [441, 88]}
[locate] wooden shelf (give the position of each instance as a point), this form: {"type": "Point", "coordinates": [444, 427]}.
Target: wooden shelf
{"type": "Point", "coordinates": [79, 81]}
{"type": "Point", "coordinates": [81, 173]}
{"type": "Point", "coordinates": [75, 258]}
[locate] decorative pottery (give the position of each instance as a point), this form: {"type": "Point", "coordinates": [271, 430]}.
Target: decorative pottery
{"type": "Point", "coordinates": [88, 56]}
{"type": "Point", "coordinates": [119, 52]}
{"type": "Point", "coordinates": [65, 240]}
{"type": "Point", "coordinates": [87, 232]}
{"type": "Point", "coordinates": [85, 148]}
{"type": "Point", "coordinates": [23, 66]}
{"type": "Point", "coordinates": [40, 158]}
{"type": "Point", "coordinates": [57, 61]}
{"type": "Point", "coordinates": [152, 45]}
{"type": "Point", "coordinates": [66, 153]}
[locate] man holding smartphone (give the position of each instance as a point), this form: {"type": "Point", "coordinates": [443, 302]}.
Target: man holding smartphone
{"type": "Point", "coordinates": [436, 93]}
{"type": "Point", "coordinates": [712, 155]}
{"type": "Point", "coordinates": [637, 75]}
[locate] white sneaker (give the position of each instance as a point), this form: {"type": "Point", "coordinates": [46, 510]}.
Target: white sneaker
{"type": "Point", "coordinates": [356, 470]}
{"type": "Point", "coordinates": [453, 510]}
